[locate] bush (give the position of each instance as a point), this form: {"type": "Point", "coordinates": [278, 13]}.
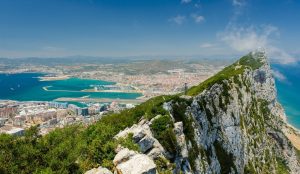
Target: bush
{"type": "Point", "coordinates": [162, 129]}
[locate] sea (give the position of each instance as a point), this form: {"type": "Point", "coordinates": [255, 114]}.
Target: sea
{"type": "Point", "coordinates": [28, 87]}
{"type": "Point", "coordinates": [287, 79]}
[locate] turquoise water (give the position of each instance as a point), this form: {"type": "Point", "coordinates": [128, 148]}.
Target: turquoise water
{"type": "Point", "coordinates": [27, 87]}
{"type": "Point", "coordinates": [289, 92]}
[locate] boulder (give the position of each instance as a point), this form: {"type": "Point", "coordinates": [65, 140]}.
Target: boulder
{"type": "Point", "coordinates": [137, 164]}
{"type": "Point", "coordinates": [100, 170]}
{"type": "Point", "coordinates": [158, 150]}
{"type": "Point", "coordinates": [129, 162]}
{"type": "Point", "coordinates": [123, 155]}
{"type": "Point", "coordinates": [146, 143]}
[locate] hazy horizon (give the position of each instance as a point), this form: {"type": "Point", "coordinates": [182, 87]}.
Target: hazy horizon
{"type": "Point", "coordinates": [105, 28]}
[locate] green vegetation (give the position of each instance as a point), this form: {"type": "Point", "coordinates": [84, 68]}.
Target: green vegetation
{"type": "Point", "coordinates": [298, 154]}
{"type": "Point", "coordinates": [225, 159]}
{"type": "Point", "coordinates": [225, 74]}
{"type": "Point", "coordinates": [249, 169]}
{"type": "Point", "coordinates": [54, 153]}
{"type": "Point", "coordinates": [162, 129]}
{"type": "Point", "coordinates": [282, 167]}
{"type": "Point", "coordinates": [179, 109]}
{"type": "Point", "coordinates": [164, 166]}
{"type": "Point", "coordinates": [203, 107]}
{"type": "Point", "coordinates": [250, 61]}
{"type": "Point", "coordinates": [73, 149]}
{"type": "Point", "coordinates": [129, 143]}
{"type": "Point", "coordinates": [233, 70]}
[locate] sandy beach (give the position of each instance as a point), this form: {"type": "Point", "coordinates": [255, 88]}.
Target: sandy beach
{"type": "Point", "coordinates": [293, 135]}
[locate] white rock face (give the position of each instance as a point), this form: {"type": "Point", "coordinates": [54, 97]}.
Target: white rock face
{"type": "Point", "coordinates": [237, 125]}
{"type": "Point", "coordinates": [122, 155]}
{"type": "Point", "coordinates": [142, 135]}
{"type": "Point", "coordinates": [237, 128]}
{"type": "Point", "coordinates": [180, 137]}
{"type": "Point", "coordinates": [181, 161]}
{"type": "Point", "coordinates": [130, 162]}
{"type": "Point", "coordinates": [100, 170]}
{"type": "Point", "coordinates": [146, 143]}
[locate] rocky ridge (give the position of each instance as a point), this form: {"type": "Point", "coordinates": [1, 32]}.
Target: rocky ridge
{"type": "Point", "coordinates": [231, 123]}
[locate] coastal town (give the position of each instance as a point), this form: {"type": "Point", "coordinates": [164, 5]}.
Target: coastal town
{"type": "Point", "coordinates": [170, 78]}
{"type": "Point", "coordinates": [16, 117]}
{"type": "Point", "coordinates": [149, 77]}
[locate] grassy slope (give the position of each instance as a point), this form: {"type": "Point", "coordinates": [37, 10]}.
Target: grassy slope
{"type": "Point", "coordinates": [233, 70]}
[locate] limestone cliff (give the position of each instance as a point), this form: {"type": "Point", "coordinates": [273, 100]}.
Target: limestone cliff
{"type": "Point", "coordinates": [231, 123]}
{"type": "Point", "coordinates": [237, 124]}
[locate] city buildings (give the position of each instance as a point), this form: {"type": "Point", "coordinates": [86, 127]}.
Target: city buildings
{"type": "Point", "coordinates": [16, 117]}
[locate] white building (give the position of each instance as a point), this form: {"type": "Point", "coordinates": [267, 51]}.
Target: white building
{"type": "Point", "coordinates": [16, 131]}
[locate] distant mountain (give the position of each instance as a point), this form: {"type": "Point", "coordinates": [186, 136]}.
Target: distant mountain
{"type": "Point", "coordinates": [77, 60]}
{"type": "Point", "coordinates": [62, 60]}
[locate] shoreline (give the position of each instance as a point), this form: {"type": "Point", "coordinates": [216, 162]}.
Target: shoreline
{"type": "Point", "coordinates": [100, 91]}
{"type": "Point", "coordinates": [291, 132]}
{"type": "Point", "coordinates": [54, 78]}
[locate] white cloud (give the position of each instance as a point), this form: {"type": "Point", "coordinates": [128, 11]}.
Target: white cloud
{"type": "Point", "coordinates": [207, 45]}
{"type": "Point", "coordinates": [179, 19]}
{"type": "Point", "coordinates": [245, 39]}
{"type": "Point", "coordinates": [278, 75]}
{"type": "Point", "coordinates": [238, 3]}
{"type": "Point", "coordinates": [280, 56]}
{"type": "Point", "coordinates": [186, 1]}
{"type": "Point", "coordinates": [198, 18]}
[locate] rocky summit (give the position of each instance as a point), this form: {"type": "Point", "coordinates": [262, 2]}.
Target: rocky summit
{"type": "Point", "coordinates": [230, 123]}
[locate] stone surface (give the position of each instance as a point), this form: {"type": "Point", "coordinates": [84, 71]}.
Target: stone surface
{"type": "Point", "coordinates": [234, 130]}
{"type": "Point", "coordinates": [237, 125]}
{"type": "Point", "coordinates": [146, 143]}
{"type": "Point", "coordinates": [130, 162]}
{"type": "Point", "coordinates": [100, 170]}
{"type": "Point", "coordinates": [138, 164]}
{"type": "Point", "coordinates": [123, 155]}
{"type": "Point", "coordinates": [143, 136]}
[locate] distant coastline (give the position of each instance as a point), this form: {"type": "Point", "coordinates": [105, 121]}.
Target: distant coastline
{"type": "Point", "coordinates": [36, 87]}
{"type": "Point", "coordinates": [54, 78]}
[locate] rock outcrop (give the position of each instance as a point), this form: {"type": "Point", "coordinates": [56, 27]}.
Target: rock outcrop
{"type": "Point", "coordinates": [130, 162]}
{"type": "Point", "coordinates": [236, 123]}
{"type": "Point", "coordinates": [142, 135]}
{"type": "Point", "coordinates": [231, 123]}
{"type": "Point", "coordinates": [99, 170]}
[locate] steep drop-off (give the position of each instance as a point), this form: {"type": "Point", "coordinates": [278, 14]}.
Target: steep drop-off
{"type": "Point", "coordinates": [236, 123]}
{"type": "Point", "coordinates": [231, 123]}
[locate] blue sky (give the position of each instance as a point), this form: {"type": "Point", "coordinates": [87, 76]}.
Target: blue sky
{"type": "Point", "coordinates": [50, 28]}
